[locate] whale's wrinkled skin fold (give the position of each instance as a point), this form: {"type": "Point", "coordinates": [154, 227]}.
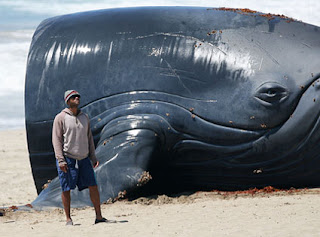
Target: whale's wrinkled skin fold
{"type": "Point", "coordinates": [199, 98]}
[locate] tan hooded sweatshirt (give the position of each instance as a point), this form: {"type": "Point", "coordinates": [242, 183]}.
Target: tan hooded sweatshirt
{"type": "Point", "coordinates": [72, 137]}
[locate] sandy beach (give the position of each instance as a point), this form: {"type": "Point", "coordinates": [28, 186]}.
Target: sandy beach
{"type": "Point", "coordinates": [282, 213]}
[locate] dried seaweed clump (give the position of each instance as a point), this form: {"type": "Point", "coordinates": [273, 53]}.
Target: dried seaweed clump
{"type": "Point", "coordinates": [249, 12]}
{"type": "Point", "coordinates": [144, 179]}
{"type": "Point", "coordinates": [46, 184]}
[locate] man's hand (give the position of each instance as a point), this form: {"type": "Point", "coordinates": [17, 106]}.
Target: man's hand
{"type": "Point", "coordinates": [96, 164]}
{"type": "Point", "coordinates": [63, 167]}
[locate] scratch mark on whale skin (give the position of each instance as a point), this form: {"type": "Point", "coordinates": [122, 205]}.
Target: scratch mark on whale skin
{"type": "Point", "coordinates": [306, 45]}
{"type": "Point", "coordinates": [267, 53]}
{"type": "Point", "coordinates": [177, 35]}
{"type": "Point", "coordinates": [177, 76]}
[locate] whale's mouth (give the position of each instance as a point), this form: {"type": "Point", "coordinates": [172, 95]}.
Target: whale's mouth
{"type": "Point", "coordinates": [226, 143]}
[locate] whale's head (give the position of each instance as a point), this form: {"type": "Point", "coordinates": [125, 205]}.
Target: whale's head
{"type": "Point", "coordinates": [250, 77]}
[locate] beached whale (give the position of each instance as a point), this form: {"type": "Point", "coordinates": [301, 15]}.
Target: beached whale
{"type": "Point", "coordinates": [195, 98]}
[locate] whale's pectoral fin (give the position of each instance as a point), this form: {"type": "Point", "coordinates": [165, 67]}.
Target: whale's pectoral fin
{"type": "Point", "coordinates": [124, 159]}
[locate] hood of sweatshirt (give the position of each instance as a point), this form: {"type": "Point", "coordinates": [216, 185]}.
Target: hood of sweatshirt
{"type": "Point", "coordinates": [68, 111]}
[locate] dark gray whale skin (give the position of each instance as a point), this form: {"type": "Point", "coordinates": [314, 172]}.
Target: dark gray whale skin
{"type": "Point", "coordinates": [200, 98]}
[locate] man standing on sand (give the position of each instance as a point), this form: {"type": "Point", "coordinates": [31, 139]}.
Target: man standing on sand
{"type": "Point", "coordinates": [73, 146]}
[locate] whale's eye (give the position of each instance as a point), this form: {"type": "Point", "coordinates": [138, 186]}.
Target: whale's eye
{"type": "Point", "coordinates": [271, 93]}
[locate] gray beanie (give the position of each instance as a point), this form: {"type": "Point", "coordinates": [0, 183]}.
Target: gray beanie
{"type": "Point", "coordinates": [70, 93]}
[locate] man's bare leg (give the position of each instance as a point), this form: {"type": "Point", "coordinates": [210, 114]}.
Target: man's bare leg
{"type": "Point", "coordinates": [95, 199]}
{"type": "Point", "coordinates": [66, 200]}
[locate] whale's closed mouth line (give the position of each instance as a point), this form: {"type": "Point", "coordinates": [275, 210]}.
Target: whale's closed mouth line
{"type": "Point", "coordinates": [135, 103]}
{"type": "Point", "coordinates": [157, 96]}
{"type": "Point", "coordinates": [213, 133]}
{"type": "Point", "coordinates": [148, 94]}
